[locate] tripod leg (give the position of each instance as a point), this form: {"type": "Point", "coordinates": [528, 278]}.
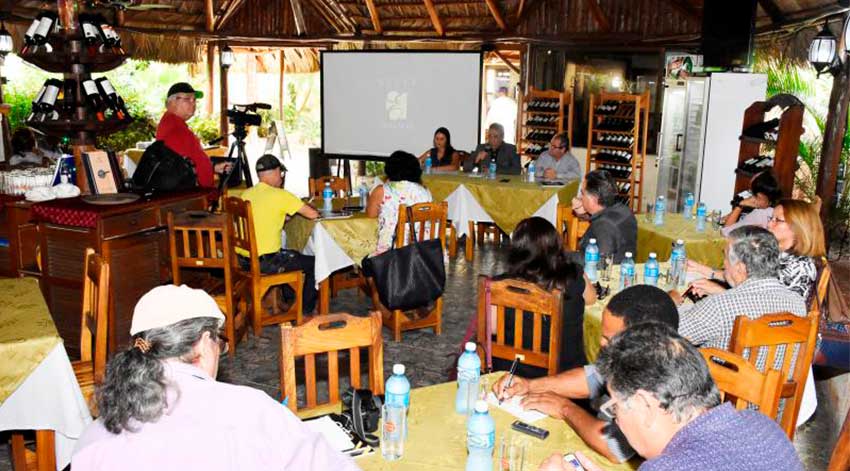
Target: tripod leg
{"type": "Point", "coordinates": [242, 159]}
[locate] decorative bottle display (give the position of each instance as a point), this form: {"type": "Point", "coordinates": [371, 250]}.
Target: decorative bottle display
{"type": "Point", "coordinates": [94, 102]}
{"type": "Point", "coordinates": [544, 113]}
{"type": "Point", "coordinates": [115, 102]}
{"type": "Point", "coordinates": [45, 27]}
{"type": "Point", "coordinates": [29, 36]}
{"type": "Point", "coordinates": [47, 103]}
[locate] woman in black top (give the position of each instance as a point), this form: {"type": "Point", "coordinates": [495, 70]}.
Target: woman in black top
{"type": "Point", "coordinates": [537, 256]}
{"type": "Point", "coordinates": [443, 156]}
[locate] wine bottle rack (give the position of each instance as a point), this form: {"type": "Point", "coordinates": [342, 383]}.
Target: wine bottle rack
{"type": "Point", "coordinates": [776, 148]}
{"type": "Point", "coordinates": [544, 113]}
{"type": "Point", "coordinates": [67, 53]}
{"type": "Point", "coordinates": [616, 141]}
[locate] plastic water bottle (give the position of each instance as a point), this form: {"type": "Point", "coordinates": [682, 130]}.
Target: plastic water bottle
{"type": "Point", "coordinates": [480, 439]}
{"type": "Point", "coordinates": [327, 198]}
{"type": "Point", "coordinates": [393, 435]}
{"type": "Point", "coordinates": [532, 170]}
{"type": "Point", "coordinates": [491, 174]}
{"type": "Point", "coordinates": [397, 390]}
{"type": "Point", "coordinates": [364, 195]}
{"type": "Point", "coordinates": [428, 166]}
{"type": "Point", "coordinates": [627, 271]}
{"type": "Point", "coordinates": [677, 264]}
{"type": "Point", "coordinates": [701, 217]}
{"type": "Point", "coordinates": [650, 270]}
{"type": "Point", "coordinates": [688, 210]}
{"type": "Point", "coordinates": [468, 372]}
{"type": "Point", "coordinates": [660, 208]}
{"type": "Point", "coordinates": [591, 260]}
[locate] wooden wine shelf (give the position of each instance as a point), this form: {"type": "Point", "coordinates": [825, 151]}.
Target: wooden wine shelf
{"type": "Point", "coordinates": [564, 121]}
{"type": "Point", "coordinates": [61, 128]}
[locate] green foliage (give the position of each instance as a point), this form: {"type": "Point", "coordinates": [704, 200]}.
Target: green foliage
{"type": "Point", "coordinates": [141, 129]}
{"type": "Point", "coordinates": [205, 127]}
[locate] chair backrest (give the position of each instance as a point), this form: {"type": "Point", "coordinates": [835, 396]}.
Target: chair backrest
{"type": "Point", "coordinates": [195, 244]}
{"type": "Point", "coordinates": [94, 329]}
{"type": "Point", "coordinates": [337, 184]}
{"type": "Point", "coordinates": [429, 221]}
{"type": "Point", "coordinates": [523, 297]}
{"type": "Point", "coordinates": [784, 342]}
{"type": "Point", "coordinates": [570, 227]}
{"type": "Point", "coordinates": [822, 285]}
{"type": "Point", "coordinates": [743, 384]}
{"type": "Point", "coordinates": [240, 233]}
{"type": "Point", "coordinates": [331, 334]}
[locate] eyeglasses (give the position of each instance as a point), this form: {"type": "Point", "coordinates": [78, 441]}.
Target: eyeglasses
{"type": "Point", "coordinates": [611, 408]}
{"type": "Point", "coordinates": [223, 345]}
{"type": "Point", "coordinates": [776, 219]}
{"type": "Point", "coordinates": [187, 98]}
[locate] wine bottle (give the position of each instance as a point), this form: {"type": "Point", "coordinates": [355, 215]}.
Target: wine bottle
{"type": "Point", "coordinates": [111, 40]}
{"type": "Point", "coordinates": [94, 102]}
{"type": "Point", "coordinates": [45, 27]}
{"type": "Point", "coordinates": [35, 114]}
{"type": "Point", "coordinates": [69, 104]}
{"type": "Point", "coordinates": [111, 98]}
{"type": "Point", "coordinates": [91, 32]}
{"type": "Point", "coordinates": [29, 35]}
{"type": "Point", "coordinates": [47, 104]}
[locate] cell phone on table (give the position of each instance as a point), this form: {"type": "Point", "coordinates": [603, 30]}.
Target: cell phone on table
{"type": "Point", "coordinates": [571, 459]}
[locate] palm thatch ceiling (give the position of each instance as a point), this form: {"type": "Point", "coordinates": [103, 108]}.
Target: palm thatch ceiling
{"type": "Point", "coordinates": [151, 33]}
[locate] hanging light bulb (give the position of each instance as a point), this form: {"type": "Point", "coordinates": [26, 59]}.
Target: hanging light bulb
{"type": "Point", "coordinates": [823, 50]}
{"type": "Point", "coordinates": [6, 43]}
{"type": "Point", "coordinates": [227, 57]}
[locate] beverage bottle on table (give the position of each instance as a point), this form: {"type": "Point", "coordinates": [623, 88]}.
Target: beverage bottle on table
{"type": "Point", "coordinates": [394, 422]}
{"type": "Point", "coordinates": [532, 169]}
{"type": "Point", "coordinates": [660, 208]}
{"type": "Point", "coordinates": [701, 217]}
{"type": "Point", "coordinates": [491, 174]}
{"type": "Point", "coordinates": [688, 210]}
{"type": "Point", "coordinates": [428, 166]}
{"type": "Point", "coordinates": [627, 271]}
{"type": "Point", "coordinates": [327, 198]}
{"type": "Point", "coordinates": [397, 390]}
{"type": "Point", "coordinates": [468, 373]}
{"type": "Point", "coordinates": [364, 195]}
{"type": "Point", "coordinates": [480, 439]}
{"type": "Point", "coordinates": [650, 270]}
{"type": "Point", "coordinates": [677, 264]}
{"type": "Point", "coordinates": [591, 260]}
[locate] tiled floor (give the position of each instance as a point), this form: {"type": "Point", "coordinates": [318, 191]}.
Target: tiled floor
{"type": "Point", "coordinates": [427, 356]}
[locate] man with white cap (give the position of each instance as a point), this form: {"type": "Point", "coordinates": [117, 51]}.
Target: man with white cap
{"type": "Point", "coordinates": [161, 407]}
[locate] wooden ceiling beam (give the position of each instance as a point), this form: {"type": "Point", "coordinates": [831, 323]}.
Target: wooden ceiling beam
{"type": "Point", "coordinates": [373, 14]}
{"type": "Point", "coordinates": [772, 10]}
{"type": "Point", "coordinates": [209, 15]}
{"type": "Point", "coordinates": [227, 14]}
{"type": "Point", "coordinates": [327, 15]}
{"type": "Point", "coordinates": [435, 18]}
{"type": "Point", "coordinates": [683, 7]}
{"type": "Point", "coordinates": [599, 15]}
{"type": "Point", "coordinates": [506, 61]}
{"type": "Point", "coordinates": [300, 24]}
{"type": "Point", "coordinates": [497, 15]}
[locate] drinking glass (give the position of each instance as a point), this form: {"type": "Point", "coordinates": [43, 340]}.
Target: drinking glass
{"type": "Point", "coordinates": [511, 454]}
{"type": "Point", "coordinates": [606, 261]}
{"type": "Point", "coordinates": [716, 219]}
{"type": "Point", "coordinates": [393, 423]}
{"type": "Point", "coordinates": [647, 216]}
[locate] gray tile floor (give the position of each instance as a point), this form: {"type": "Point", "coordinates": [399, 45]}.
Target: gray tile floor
{"type": "Point", "coordinates": [427, 355]}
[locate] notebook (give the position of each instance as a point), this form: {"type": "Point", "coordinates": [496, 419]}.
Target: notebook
{"type": "Point", "coordinates": [513, 407]}
{"type": "Point", "coordinates": [338, 437]}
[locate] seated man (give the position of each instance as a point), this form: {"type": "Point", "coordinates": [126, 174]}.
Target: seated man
{"type": "Point", "coordinates": [752, 269]}
{"type": "Point", "coordinates": [161, 407]}
{"type": "Point", "coordinates": [612, 223]}
{"type": "Point", "coordinates": [270, 206]}
{"type": "Point", "coordinates": [507, 160]}
{"type": "Point", "coordinates": [668, 407]}
{"type": "Point", "coordinates": [552, 395]}
{"type": "Point", "coordinates": [557, 162]}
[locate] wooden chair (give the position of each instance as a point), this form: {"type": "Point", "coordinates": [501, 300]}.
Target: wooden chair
{"type": "Point", "coordinates": [89, 369]}
{"type": "Point", "coordinates": [776, 337]}
{"type": "Point", "coordinates": [840, 459]}
{"type": "Point", "coordinates": [478, 232]}
{"type": "Point", "coordinates": [337, 184]}
{"type": "Point", "coordinates": [741, 383]}
{"type": "Point", "coordinates": [330, 334]}
{"type": "Point", "coordinates": [571, 228]}
{"type": "Point", "coordinates": [430, 218]}
{"type": "Point", "coordinates": [522, 297]}
{"type": "Point", "coordinates": [202, 243]}
{"type": "Point", "coordinates": [819, 296]}
{"type": "Point", "coordinates": [240, 232]}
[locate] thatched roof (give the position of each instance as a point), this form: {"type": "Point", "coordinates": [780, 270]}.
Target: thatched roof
{"type": "Point", "coordinates": [152, 34]}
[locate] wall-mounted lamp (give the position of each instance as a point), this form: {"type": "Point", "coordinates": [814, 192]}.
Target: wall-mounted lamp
{"type": "Point", "coordinates": [227, 57]}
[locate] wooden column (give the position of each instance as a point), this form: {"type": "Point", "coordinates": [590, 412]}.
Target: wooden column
{"type": "Point", "coordinates": [223, 119]}
{"type": "Point", "coordinates": [833, 139]}
{"type": "Point", "coordinates": [281, 87]}
{"type": "Point", "coordinates": [210, 78]}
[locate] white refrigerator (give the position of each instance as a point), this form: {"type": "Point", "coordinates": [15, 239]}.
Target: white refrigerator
{"type": "Point", "coordinates": [698, 143]}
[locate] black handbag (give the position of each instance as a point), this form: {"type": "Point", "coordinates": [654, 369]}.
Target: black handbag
{"type": "Point", "coordinates": [162, 170]}
{"type": "Point", "coordinates": [361, 411]}
{"type": "Point", "coordinates": [411, 276]}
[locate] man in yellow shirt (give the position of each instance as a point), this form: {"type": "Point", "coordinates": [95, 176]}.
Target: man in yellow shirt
{"type": "Point", "coordinates": [270, 206]}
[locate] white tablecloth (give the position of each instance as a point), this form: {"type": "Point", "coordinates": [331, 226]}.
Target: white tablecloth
{"type": "Point", "coordinates": [329, 256]}
{"type": "Point", "coordinates": [49, 398]}
{"type": "Point", "coordinates": [463, 207]}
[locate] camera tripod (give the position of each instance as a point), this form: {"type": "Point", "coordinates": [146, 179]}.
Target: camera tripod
{"type": "Point", "coordinates": [240, 162]}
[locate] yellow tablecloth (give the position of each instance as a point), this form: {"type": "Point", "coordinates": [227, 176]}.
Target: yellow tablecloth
{"type": "Point", "coordinates": [357, 236]}
{"type": "Point", "coordinates": [437, 436]}
{"type": "Point", "coordinates": [507, 203]}
{"type": "Point", "coordinates": [27, 332]}
{"type": "Point", "coordinates": [703, 247]}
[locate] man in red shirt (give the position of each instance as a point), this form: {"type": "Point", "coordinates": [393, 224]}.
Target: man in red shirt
{"type": "Point", "coordinates": [173, 131]}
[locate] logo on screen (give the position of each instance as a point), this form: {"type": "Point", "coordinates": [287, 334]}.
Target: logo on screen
{"type": "Point", "coordinates": [396, 106]}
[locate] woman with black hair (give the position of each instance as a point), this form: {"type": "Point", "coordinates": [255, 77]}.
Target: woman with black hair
{"type": "Point", "coordinates": [403, 186]}
{"type": "Point", "coordinates": [536, 256]}
{"type": "Point", "coordinates": [443, 156]}
{"type": "Point", "coordinates": [758, 207]}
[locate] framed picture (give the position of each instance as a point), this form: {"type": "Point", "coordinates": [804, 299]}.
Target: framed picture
{"type": "Point", "coordinates": [103, 172]}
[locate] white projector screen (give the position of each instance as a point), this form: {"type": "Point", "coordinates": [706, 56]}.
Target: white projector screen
{"type": "Point", "coordinates": [374, 103]}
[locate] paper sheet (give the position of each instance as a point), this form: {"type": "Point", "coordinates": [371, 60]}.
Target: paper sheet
{"type": "Point", "coordinates": [332, 432]}
{"type": "Point", "coordinates": [513, 407]}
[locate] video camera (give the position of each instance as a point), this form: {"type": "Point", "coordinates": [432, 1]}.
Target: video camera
{"type": "Point", "coordinates": [246, 115]}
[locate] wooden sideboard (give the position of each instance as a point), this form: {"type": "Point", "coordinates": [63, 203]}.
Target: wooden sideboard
{"type": "Point", "coordinates": [18, 254]}
{"type": "Point", "coordinates": [131, 237]}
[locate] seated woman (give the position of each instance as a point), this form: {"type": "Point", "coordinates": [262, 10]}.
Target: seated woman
{"type": "Point", "coordinates": [24, 149]}
{"type": "Point", "coordinates": [799, 231]}
{"type": "Point", "coordinates": [443, 156]}
{"type": "Point", "coordinates": [402, 186]}
{"type": "Point", "coordinates": [766, 193]}
{"type": "Point", "coordinates": [537, 256]}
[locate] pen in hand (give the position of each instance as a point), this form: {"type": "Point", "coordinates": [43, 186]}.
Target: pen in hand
{"type": "Point", "coordinates": [510, 379]}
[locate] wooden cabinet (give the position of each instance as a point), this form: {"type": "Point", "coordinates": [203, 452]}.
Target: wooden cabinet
{"type": "Point", "coordinates": [133, 238]}
{"type": "Point", "coordinates": [19, 234]}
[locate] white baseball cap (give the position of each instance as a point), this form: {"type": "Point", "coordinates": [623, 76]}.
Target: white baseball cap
{"type": "Point", "coordinates": [170, 304]}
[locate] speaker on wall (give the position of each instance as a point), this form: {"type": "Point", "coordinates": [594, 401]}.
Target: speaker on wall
{"type": "Point", "coordinates": [727, 32]}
